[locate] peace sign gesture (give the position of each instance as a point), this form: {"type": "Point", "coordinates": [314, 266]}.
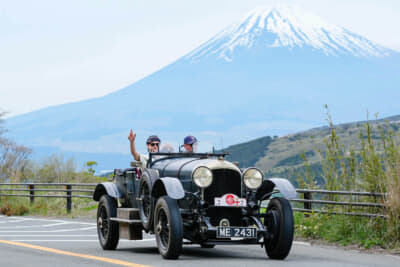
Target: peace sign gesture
{"type": "Point", "coordinates": [132, 136]}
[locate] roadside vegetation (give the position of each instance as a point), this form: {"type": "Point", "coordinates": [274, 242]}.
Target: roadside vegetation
{"type": "Point", "coordinates": [371, 164]}
{"type": "Point", "coordinates": [54, 169]}
{"type": "Point", "coordinates": [54, 207]}
{"type": "Point", "coordinates": [16, 167]}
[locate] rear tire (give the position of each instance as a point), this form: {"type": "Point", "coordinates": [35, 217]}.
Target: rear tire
{"type": "Point", "coordinates": [107, 230]}
{"type": "Point", "coordinates": [279, 224]}
{"type": "Point", "coordinates": [168, 227]}
{"type": "Point", "coordinates": [146, 204]}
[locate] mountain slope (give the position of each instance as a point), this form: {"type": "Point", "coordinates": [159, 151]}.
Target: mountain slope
{"type": "Point", "coordinates": [269, 74]}
{"type": "Point", "coordinates": [284, 156]}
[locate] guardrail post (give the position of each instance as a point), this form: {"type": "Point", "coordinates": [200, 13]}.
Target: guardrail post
{"type": "Point", "coordinates": [307, 205]}
{"type": "Point", "coordinates": [31, 188]}
{"type": "Point", "coordinates": [69, 197]}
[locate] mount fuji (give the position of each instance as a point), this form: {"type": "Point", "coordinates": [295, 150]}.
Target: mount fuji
{"type": "Point", "coordinates": [270, 73]}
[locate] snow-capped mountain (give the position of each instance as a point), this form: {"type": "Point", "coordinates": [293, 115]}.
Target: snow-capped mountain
{"type": "Point", "coordinates": [286, 26]}
{"type": "Point", "coordinates": [269, 74]}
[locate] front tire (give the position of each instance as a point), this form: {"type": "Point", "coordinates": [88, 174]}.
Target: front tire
{"type": "Point", "coordinates": [107, 230]}
{"type": "Point", "coordinates": [168, 227]}
{"type": "Point", "coordinates": [279, 223]}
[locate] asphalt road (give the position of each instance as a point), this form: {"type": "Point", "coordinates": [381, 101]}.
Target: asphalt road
{"type": "Point", "coordinates": [42, 242]}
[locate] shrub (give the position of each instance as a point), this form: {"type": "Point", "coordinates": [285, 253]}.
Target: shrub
{"type": "Point", "coordinates": [373, 167]}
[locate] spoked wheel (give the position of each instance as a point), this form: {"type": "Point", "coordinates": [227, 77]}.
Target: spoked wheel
{"type": "Point", "coordinates": [107, 230]}
{"type": "Point", "coordinates": [145, 206]}
{"type": "Point", "coordinates": [279, 223]}
{"type": "Point", "coordinates": [168, 228]}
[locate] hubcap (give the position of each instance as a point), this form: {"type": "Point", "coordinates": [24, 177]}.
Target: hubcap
{"type": "Point", "coordinates": [159, 228]}
{"type": "Point", "coordinates": [100, 222]}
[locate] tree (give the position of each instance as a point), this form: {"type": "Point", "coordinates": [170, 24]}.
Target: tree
{"type": "Point", "coordinates": [56, 169]}
{"type": "Point", "coordinates": [90, 166]}
{"type": "Point", "coordinates": [2, 130]}
{"type": "Point", "coordinates": [13, 157]}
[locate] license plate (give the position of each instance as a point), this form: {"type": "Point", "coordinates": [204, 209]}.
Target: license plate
{"type": "Point", "coordinates": [248, 232]}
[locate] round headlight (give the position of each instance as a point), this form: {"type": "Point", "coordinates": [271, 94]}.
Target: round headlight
{"type": "Point", "coordinates": [202, 177]}
{"type": "Point", "coordinates": [252, 178]}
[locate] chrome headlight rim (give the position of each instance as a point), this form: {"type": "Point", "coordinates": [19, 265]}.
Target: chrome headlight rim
{"type": "Point", "coordinates": [245, 181]}
{"type": "Point", "coordinates": [196, 182]}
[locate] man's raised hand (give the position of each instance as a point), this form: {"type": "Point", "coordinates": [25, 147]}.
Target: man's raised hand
{"type": "Point", "coordinates": [131, 136]}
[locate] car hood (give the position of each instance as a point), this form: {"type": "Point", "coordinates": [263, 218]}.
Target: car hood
{"type": "Point", "coordinates": [184, 167]}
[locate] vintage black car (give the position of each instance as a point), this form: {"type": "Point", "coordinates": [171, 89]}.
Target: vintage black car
{"type": "Point", "coordinates": [199, 198]}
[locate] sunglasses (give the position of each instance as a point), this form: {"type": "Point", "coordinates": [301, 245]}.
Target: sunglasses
{"type": "Point", "coordinates": [154, 144]}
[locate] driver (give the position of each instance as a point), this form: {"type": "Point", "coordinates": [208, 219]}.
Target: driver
{"type": "Point", "coordinates": [152, 142]}
{"type": "Point", "coordinates": [190, 144]}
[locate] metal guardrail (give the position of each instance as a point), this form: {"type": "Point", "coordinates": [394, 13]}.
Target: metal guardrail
{"type": "Point", "coordinates": [307, 200]}
{"type": "Point", "coordinates": [353, 201]}
{"type": "Point", "coordinates": [32, 188]}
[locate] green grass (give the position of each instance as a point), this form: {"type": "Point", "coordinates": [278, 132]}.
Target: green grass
{"type": "Point", "coordinates": [50, 207]}
{"type": "Point", "coordinates": [343, 230]}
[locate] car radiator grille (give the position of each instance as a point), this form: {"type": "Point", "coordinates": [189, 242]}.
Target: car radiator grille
{"type": "Point", "coordinates": [225, 181]}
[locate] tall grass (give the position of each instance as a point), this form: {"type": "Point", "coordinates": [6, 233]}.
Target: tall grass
{"type": "Point", "coordinates": [54, 207]}
{"type": "Point", "coordinates": [372, 164]}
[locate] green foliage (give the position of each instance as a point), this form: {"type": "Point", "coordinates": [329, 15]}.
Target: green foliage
{"type": "Point", "coordinates": [374, 167]}
{"type": "Point", "coordinates": [90, 166]}
{"type": "Point", "coordinates": [295, 160]}
{"type": "Point", "coordinates": [281, 156]}
{"type": "Point", "coordinates": [12, 206]}
{"type": "Point", "coordinates": [342, 229]}
{"type": "Point", "coordinates": [57, 169]}
{"type": "Point", "coordinates": [54, 169]}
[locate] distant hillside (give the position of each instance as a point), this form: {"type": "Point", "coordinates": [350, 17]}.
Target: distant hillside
{"type": "Point", "coordinates": [247, 154]}
{"type": "Point", "coordinates": [284, 156]}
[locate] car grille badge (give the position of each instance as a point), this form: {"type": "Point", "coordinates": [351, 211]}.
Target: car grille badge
{"type": "Point", "coordinates": [229, 200]}
{"type": "Point", "coordinates": [224, 222]}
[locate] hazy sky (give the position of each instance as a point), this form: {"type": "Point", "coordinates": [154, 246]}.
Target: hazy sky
{"type": "Point", "coordinates": [54, 52]}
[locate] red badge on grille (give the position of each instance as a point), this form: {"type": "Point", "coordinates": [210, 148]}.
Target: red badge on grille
{"type": "Point", "coordinates": [229, 200]}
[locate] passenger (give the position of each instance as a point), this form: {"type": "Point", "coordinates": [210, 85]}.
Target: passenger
{"type": "Point", "coordinates": [167, 148]}
{"type": "Point", "coordinates": [190, 144]}
{"type": "Point", "coordinates": [153, 144]}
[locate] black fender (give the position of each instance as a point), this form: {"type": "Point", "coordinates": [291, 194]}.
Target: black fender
{"type": "Point", "coordinates": [106, 188]}
{"type": "Point", "coordinates": [152, 176]}
{"type": "Point", "coordinates": [168, 186]}
{"type": "Point", "coordinates": [283, 185]}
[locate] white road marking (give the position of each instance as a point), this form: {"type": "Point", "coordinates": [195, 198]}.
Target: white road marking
{"type": "Point", "coordinates": [50, 240]}
{"type": "Point", "coordinates": [301, 243]}
{"type": "Point", "coordinates": [75, 240]}
{"type": "Point", "coordinates": [394, 256]}
{"type": "Point", "coordinates": [19, 219]}
{"type": "Point", "coordinates": [50, 235]}
{"type": "Point", "coordinates": [55, 224]}
{"type": "Point", "coordinates": [33, 226]}
{"type": "Point", "coordinates": [15, 221]}
{"type": "Point", "coordinates": [49, 231]}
